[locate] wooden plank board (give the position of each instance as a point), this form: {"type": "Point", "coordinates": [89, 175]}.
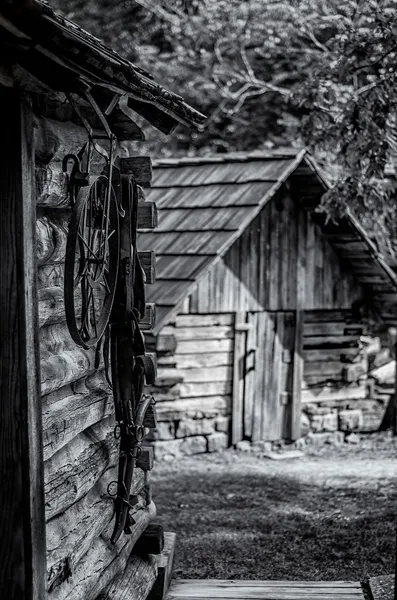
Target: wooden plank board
{"type": "Point", "coordinates": [264, 590]}
{"type": "Point", "coordinates": [238, 379]}
{"type": "Point", "coordinates": [205, 347]}
{"type": "Point", "coordinates": [250, 375]}
{"type": "Point", "coordinates": [258, 378]}
{"type": "Point", "coordinates": [22, 540]}
{"type": "Point", "coordinates": [197, 361]}
{"type": "Point", "coordinates": [332, 328]}
{"type": "Point", "coordinates": [204, 320]}
{"type": "Point", "coordinates": [165, 566]}
{"type": "Point", "coordinates": [216, 332]}
{"type": "Point", "coordinates": [202, 375]}
{"type": "Point", "coordinates": [191, 390]}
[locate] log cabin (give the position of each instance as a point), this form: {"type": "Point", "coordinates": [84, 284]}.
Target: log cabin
{"type": "Point", "coordinates": [262, 305]}
{"type": "Point", "coordinates": [59, 87]}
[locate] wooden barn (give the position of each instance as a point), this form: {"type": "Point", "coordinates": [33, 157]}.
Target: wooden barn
{"type": "Point", "coordinates": [262, 304]}
{"type": "Point", "coordinates": [61, 89]}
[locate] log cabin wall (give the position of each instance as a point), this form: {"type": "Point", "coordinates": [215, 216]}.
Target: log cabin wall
{"type": "Point", "coordinates": [259, 273]}
{"type": "Point", "coordinates": [194, 384]}
{"type": "Point", "coordinates": [80, 451]}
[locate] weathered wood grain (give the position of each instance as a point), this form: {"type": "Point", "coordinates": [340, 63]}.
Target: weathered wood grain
{"type": "Point", "coordinates": [194, 408]}
{"type": "Point", "coordinates": [191, 390]}
{"type": "Point", "coordinates": [202, 375]}
{"type": "Point", "coordinates": [215, 332]}
{"type": "Point", "coordinates": [51, 234]}
{"type": "Point", "coordinates": [237, 374]}
{"type": "Point", "coordinates": [60, 369]}
{"type": "Point", "coordinates": [211, 320]}
{"type": "Point", "coordinates": [195, 589]}
{"type": "Point", "coordinates": [54, 139]}
{"type": "Point", "coordinates": [72, 471]}
{"type": "Point", "coordinates": [102, 563]}
{"type": "Point", "coordinates": [199, 361]}
{"type": "Point", "coordinates": [326, 393]}
{"type": "Point", "coordinates": [165, 566]}
{"type": "Point", "coordinates": [22, 538]}
{"type": "Point", "coordinates": [135, 582]}
{"type": "Point", "coordinates": [66, 417]}
{"type": "Point", "coordinates": [205, 347]}
{"type": "Point", "coordinates": [70, 535]}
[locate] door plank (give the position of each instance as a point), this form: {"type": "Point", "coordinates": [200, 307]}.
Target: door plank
{"type": "Point", "coordinates": [238, 378]}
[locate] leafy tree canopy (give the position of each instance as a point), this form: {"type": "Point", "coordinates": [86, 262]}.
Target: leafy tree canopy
{"type": "Point", "coordinates": [294, 72]}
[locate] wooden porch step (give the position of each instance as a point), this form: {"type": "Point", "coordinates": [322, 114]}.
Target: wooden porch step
{"type": "Point", "coordinates": [223, 589]}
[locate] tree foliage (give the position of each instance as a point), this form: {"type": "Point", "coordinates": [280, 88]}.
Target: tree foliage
{"type": "Point", "coordinates": [293, 72]}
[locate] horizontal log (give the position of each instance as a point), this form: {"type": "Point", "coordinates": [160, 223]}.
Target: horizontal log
{"type": "Point", "coordinates": [120, 123]}
{"type": "Point", "coordinates": [325, 354]}
{"type": "Point", "coordinates": [72, 471]}
{"type": "Point", "coordinates": [135, 582]}
{"type": "Point", "coordinates": [220, 332]}
{"type": "Point", "coordinates": [148, 263]}
{"type": "Point", "coordinates": [71, 534]}
{"type": "Point", "coordinates": [54, 339]}
{"type": "Point", "coordinates": [324, 394]}
{"type": "Point", "coordinates": [207, 374]}
{"type": "Point", "coordinates": [69, 416]}
{"type": "Point", "coordinates": [60, 369]}
{"type": "Point", "coordinates": [147, 215]}
{"type": "Point", "coordinates": [50, 275]}
{"type": "Point", "coordinates": [53, 139]}
{"type": "Point", "coordinates": [51, 184]}
{"type": "Point", "coordinates": [138, 166]}
{"type": "Point", "coordinates": [333, 328]}
{"type": "Point", "coordinates": [51, 306]}
{"type": "Point", "coordinates": [204, 347]}
{"type": "Point", "coordinates": [102, 563]}
{"type": "Point", "coordinates": [161, 343]}
{"type": "Point", "coordinates": [331, 341]}
{"type": "Point", "coordinates": [193, 408]}
{"type": "Point", "coordinates": [191, 390]}
{"type": "Point", "coordinates": [327, 316]}
{"type": "Point", "coordinates": [204, 320]}
{"type": "Point", "coordinates": [197, 361]}
{"type": "Point", "coordinates": [51, 234]}
{"type": "Point", "coordinates": [323, 368]}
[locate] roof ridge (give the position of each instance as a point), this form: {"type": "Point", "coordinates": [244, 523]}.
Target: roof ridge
{"type": "Point", "coordinates": [228, 157]}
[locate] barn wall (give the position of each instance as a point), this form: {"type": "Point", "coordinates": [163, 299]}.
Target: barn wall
{"type": "Point", "coordinates": [259, 272]}
{"type": "Point", "coordinates": [194, 384]}
{"type": "Point", "coordinates": [80, 451]}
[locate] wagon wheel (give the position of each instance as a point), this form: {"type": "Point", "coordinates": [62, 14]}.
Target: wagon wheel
{"type": "Point", "coordinates": [91, 265]}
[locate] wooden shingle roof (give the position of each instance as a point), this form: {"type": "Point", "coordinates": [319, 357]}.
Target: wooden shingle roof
{"type": "Point", "coordinates": [67, 58]}
{"type": "Point", "coordinates": [205, 204]}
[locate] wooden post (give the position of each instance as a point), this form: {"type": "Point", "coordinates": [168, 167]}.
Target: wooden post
{"type": "Point", "coordinates": [240, 329]}
{"type": "Point", "coordinates": [299, 319]}
{"type": "Point", "coordinates": [22, 535]}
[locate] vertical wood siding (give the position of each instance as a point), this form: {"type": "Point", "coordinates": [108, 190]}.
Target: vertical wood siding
{"type": "Point", "coordinates": [259, 272]}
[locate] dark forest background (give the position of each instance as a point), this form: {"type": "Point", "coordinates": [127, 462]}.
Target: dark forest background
{"type": "Point", "coordinates": [273, 74]}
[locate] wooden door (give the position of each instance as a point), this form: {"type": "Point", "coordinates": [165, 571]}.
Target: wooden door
{"type": "Point", "coordinates": [269, 376]}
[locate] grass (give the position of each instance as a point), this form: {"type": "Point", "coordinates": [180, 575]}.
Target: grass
{"type": "Point", "coordinates": [327, 516]}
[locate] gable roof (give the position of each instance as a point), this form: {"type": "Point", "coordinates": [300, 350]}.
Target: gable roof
{"type": "Point", "coordinates": [67, 58]}
{"type": "Point", "coordinates": [205, 204]}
